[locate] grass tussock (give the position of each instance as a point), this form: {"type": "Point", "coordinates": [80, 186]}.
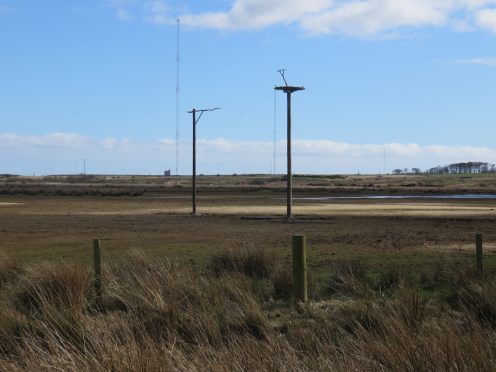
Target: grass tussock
{"type": "Point", "coordinates": [157, 315]}
{"type": "Point", "coordinates": [348, 278]}
{"type": "Point", "coordinates": [253, 262]}
{"type": "Point", "coordinates": [58, 286]}
{"type": "Point", "coordinates": [171, 302]}
{"type": "Point", "coordinates": [10, 271]}
{"type": "Point", "coordinates": [270, 277]}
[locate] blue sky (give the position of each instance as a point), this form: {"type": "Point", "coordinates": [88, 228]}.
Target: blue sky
{"type": "Point", "coordinates": [96, 79]}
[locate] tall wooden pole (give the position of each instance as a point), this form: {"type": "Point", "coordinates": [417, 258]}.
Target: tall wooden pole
{"type": "Point", "coordinates": [289, 90]}
{"type": "Point", "coordinates": [194, 162]}
{"type": "Point", "coordinates": [290, 175]}
{"type": "Point", "coordinates": [195, 121]}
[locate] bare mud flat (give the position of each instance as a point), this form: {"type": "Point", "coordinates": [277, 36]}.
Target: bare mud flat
{"type": "Point", "coordinates": [36, 227]}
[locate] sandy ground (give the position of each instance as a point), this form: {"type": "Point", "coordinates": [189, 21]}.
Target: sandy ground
{"type": "Point", "coordinates": [247, 205]}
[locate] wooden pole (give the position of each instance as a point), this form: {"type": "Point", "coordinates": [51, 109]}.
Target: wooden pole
{"type": "Point", "coordinates": [98, 272]}
{"type": "Point", "coordinates": [289, 213]}
{"type": "Point", "coordinates": [300, 268]}
{"type": "Point", "coordinates": [478, 253]}
{"type": "Point", "coordinates": [194, 162]}
{"type": "Point", "coordinates": [289, 90]}
{"type": "Point", "coordinates": [195, 122]}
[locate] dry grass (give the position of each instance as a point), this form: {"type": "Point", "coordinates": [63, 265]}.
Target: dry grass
{"type": "Point", "coordinates": [9, 271]}
{"type": "Point", "coordinates": [62, 287]}
{"type": "Point", "coordinates": [256, 263]}
{"type": "Point", "coordinates": [158, 315]}
{"type": "Point", "coordinates": [253, 262]}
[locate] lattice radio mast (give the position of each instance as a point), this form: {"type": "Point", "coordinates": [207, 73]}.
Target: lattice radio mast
{"type": "Point", "coordinates": [177, 95]}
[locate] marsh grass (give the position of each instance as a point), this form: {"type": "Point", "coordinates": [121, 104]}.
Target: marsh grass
{"type": "Point", "coordinates": [159, 315]}
{"type": "Point", "coordinates": [253, 262]}
{"type": "Point", "coordinates": [10, 271]}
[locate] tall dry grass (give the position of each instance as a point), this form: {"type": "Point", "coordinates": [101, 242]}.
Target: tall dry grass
{"type": "Point", "coordinates": [9, 271]}
{"type": "Point", "coordinates": [161, 316]}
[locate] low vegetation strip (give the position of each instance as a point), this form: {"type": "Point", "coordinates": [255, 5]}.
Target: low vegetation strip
{"type": "Point", "coordinates": [236, 314]}
{"type": "Point", "coordinates": [105, 185]}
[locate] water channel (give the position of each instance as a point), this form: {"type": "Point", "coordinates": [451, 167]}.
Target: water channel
{"type": "Point", "coordinates": [396, 197]}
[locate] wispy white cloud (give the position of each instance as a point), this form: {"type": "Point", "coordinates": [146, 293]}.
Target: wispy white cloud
{"type": "Point", "coordinates": [154, 11]}
{"type": "Point", "coordinates": [158, 12]}
{"type": "Point", "coordinates": [254, 14]}
{"type": "Point", "coordinates": [486, 19]}
{"type": "Point", "coordinates": [124, 9]}
{"type": "Point", "coordinates": [124, 14]}
{"type": "Point", "coordinates": [62, 153]}
{"type": "Point", "coordinates": [359, 18]}
{"type": "Point", "coordinates": [490, 62]}
{"type": "Point", "coordinates": [54, 140]}
{"type": "Point", "coordinates": [374, 17]}
{"type": "Point", "coordinates": [156, 7]}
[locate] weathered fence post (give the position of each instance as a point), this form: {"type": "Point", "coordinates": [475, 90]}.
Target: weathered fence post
{"type": "Point", "coordinates": [98, 272]}
{"type": "Point", "coordinates": [478, 253]}
{"type": "Point", "coordinates": [300, 268]}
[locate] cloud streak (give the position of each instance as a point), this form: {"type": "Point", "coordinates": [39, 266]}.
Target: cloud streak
{"type": "Point", "coordinates": [489, 62]}
{"type": "Point", "coordinates": [256, 14]}
{"type": "Point", "coordinates": [124, 15]}
{"type": "Point", "coordinates": [356, 18]}
{"type": "Point", "coordinates": [62, 153]}
{"type": "Point", "coordinates": [486, 19]}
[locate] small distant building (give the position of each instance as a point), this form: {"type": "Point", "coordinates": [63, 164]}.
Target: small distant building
{"type": "Point", "coordinates": [167, 173]}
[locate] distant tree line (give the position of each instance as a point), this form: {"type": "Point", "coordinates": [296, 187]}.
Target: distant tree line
{"type": "Point", "coordinates": [455, 168]}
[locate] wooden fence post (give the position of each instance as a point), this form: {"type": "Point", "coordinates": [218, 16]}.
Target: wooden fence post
{"type": "Point", "coordinates": [478, 253]}
{"type": "Point", "coordinates": [98, 272]}
{"type": "Point", "coordinates": [300, 268]}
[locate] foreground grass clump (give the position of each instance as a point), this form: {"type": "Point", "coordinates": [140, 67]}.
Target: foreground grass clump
{"type": "Point", "coordinates": [157, 315]}
{"type": "Point", "coordinates": [253, 262]}
{"type": "Point", "coordinates": [9, 271]}
{"type": "Point", "coordinates": [51, 286]}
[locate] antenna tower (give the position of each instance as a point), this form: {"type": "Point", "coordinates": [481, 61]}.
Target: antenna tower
{"type": "Point", "coordinates": [177, 95]}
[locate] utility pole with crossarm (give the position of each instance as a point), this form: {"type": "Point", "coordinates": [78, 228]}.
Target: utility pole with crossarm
{"type": "Point", "coordinates": [195, 121]}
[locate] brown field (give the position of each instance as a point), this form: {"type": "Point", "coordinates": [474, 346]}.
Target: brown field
{"type": "Point", "coordinates": [241, 210]}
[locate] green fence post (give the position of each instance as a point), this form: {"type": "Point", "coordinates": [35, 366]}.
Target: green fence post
{"type": "Point", "coordinates": [300, 268]}
{"type": "Point", "coordinates": [478, 253]}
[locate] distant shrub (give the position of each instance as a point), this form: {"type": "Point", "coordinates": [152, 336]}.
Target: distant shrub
{"type": "Point", "coordinates": [258, 182]}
